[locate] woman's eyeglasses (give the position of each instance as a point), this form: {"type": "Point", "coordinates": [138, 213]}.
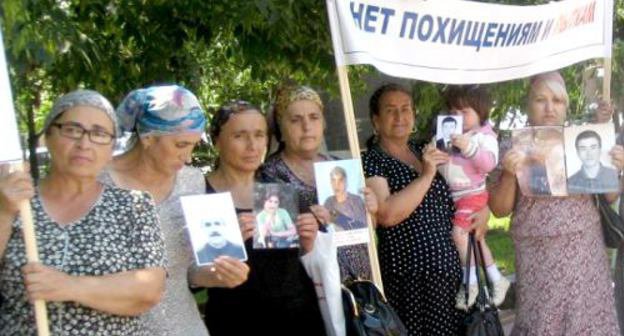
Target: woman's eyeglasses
{"type": "Point", "coordinates": [76, 132]}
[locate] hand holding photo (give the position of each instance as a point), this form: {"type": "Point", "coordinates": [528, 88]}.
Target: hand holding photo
{"type": "Point", "coordinates": [542, 172]}
{"type": "Point", "coordinates": [339, 185]}
{"type": "Point", "coordinates": [275, 206]}
{"type": "Point", "coordinates": [446, 126]}
{"type": "Point", "coordinates": [213, 227]}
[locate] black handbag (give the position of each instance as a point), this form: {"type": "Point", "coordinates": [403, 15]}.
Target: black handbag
{"type": "Point", "coordinates": [611, 222]}
{"type": "Point", "coordinates": [366, 310]}
{"type": "Point", "coordinates": [482, 318]}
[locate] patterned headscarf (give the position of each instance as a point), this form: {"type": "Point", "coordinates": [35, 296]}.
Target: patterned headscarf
{"type": "Point", "coordinates": [80, 98]}
{"type": "Point", "coordinates": [161, 110]}
{"type": "Point", "coordinates": [289, 94]}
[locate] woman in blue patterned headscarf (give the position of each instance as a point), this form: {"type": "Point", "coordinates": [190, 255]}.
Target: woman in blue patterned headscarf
{"type": "Point", "coordinates": [165, 123]}
{"type": "Point", "coordinates": [161, 110]}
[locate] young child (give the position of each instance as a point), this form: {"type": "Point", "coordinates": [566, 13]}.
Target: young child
{"type": "Point", "coordinates": [465, 173]}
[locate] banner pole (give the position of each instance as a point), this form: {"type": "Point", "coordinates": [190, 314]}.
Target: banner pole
{"type": "Point", "coordinates": [354, 146]}
{"type": "Point", "coordinates": [32, 255]}
{"type": "Point", "coordinates": [606, 89]}
{"type": "Point", "coordinates": [28, 229]}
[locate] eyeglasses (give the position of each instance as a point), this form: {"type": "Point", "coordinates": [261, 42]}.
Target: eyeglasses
{"type": "Point", "coordinates": [76, 132]}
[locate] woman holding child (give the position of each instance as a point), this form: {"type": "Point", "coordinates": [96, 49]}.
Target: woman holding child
{"type": "Point", "coordinates": [419, 262]}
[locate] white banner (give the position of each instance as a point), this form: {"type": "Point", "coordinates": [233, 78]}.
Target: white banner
{"type": "Point", "coordinates": [460, 42]}
{"type": "Point", "coordinates": [10, 149]}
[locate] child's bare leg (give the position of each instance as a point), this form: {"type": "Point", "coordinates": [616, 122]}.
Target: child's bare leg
{"type": "Point", "coordinates": [460, 237]}
{"type": "Point", "coordinates": [487, 253]}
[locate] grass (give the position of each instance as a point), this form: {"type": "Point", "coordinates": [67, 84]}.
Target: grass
{"type": "Point", "coordinates": [500, 243]}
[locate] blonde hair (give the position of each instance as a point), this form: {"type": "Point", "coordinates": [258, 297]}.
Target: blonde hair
{"type": "Point", "coordinates": [554, 82]}
{"type": "Point", "coordinates": [557, 88]}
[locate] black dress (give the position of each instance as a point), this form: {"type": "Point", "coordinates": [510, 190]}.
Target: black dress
{"type": "Point", "coordinates": [419, 263]}
{"type": "Point", "coordinates": [278, 298]}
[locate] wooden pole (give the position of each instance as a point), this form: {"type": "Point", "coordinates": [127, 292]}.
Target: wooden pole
{"type": "Point", "coordinates": [606, 80]}
{"type": "Point", "coordinates": [606, 90]}
{"type": "Point", "coordinates": [354, 146]}
{"type": "Point", "coordinates": [32, 255]}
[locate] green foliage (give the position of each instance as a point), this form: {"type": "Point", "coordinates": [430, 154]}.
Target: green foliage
{"type": "Point", "coordinates": [220, 49]}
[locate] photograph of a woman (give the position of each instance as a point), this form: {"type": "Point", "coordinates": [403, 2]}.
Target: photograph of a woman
{"type": "Point", "coordinates": [275, 227]}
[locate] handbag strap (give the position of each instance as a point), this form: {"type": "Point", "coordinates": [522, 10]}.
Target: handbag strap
{"type": "Point", "coordinates": [484, 293]}
{"type": "Point", "coordinates": [469, 255]}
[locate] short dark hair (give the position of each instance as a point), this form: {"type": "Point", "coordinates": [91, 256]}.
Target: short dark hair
{"type": "Point", "coordinates": [587, 135]}
{"type": "Point", "coordinates": [474, 96]}
{"type": "Point", "coordinates": [375, 99]}
{"type": "Point", "coordinates": [449, 119]}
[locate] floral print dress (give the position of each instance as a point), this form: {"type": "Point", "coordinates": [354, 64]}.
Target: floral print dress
{"type": "Point", "coordinates": [120, 233]}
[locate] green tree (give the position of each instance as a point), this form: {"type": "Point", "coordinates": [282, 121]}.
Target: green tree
{"type": "Point", "coordinates": [220, 49]}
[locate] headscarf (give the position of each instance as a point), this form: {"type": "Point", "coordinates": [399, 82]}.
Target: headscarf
{"type": "Point", "coordinates": [289, 94]}
{"type": "Point", "coordinates": [76, 98]}
{"type": "Point", "coordinates": [161, 110]}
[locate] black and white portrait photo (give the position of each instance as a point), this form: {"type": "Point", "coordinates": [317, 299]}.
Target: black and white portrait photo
{"type": "Point", "coordinates": [447, 125]}
{"type": "Point", "coordinates": [213, 227]}
{"type": "Point", "coordinates": [588, 163]}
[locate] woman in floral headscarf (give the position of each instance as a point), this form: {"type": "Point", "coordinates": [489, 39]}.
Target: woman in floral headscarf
{"type": "Point", "coordinates": [298, 125]}
{"type": "Point", "coordinates": [165, 123]}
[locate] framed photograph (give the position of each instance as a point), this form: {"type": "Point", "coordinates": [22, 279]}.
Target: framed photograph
{"type": "Point", "coordinates": [339, 187]}
{"type": "Point", "coordinates": [542, 171]}
{"type": "Point", "coordinates": [275, 207]}
{"type": "Point", "coordinates": [446, 126]}
{"type": "Point", "coordinates": [213, 227]}
{"type": "Point", "coordinates": [588, 163]}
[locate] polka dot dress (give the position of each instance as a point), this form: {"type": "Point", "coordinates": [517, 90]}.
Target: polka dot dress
{"type": "Point", "coordinates": [419, 263]}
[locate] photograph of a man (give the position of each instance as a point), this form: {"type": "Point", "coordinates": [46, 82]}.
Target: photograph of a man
{"type": "Point", "coordinates": [593, 176]}
{"type": "Point", "coordinates": [216, 243]}
{"type": "Point", "coordinates": [212, 227]}
{"type": "Point", "coordinates": [446, 127]}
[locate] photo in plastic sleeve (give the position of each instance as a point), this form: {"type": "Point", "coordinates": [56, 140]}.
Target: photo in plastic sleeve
{"type": "Point", "coordinates": [542, 171]}
{"type": "Point", "coordinates": [446, 126]}
{"type": "Point", "coordinates": [276, 209]}
{"type": "Point", "coordinates": [588, 163]}
{"type": "Point", "coordinates": [213, 227]}
{"type": "Point", "coordinates": [339, 187]}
